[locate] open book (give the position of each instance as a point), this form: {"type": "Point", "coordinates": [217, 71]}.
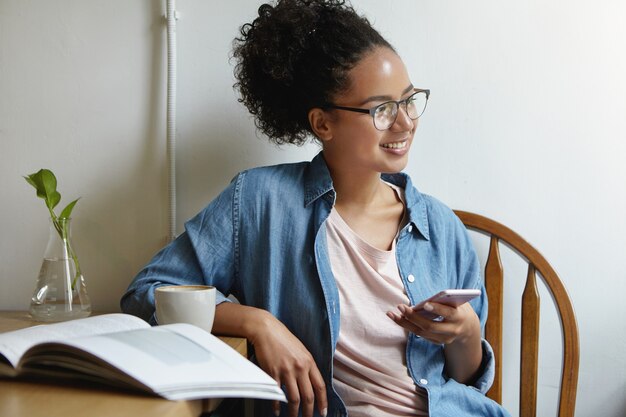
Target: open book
{"type": "Point", "coordinates": [176, 361]}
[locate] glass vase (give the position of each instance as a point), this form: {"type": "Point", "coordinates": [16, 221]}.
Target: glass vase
{"type": "Point", "coordinates": [61, 293]}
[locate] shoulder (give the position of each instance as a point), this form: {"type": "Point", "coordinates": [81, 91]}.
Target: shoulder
{"type": "Point", "coordinates": [445, 226]}
{"type": "Point", "coordinates": [253, 190]}
{"type": "Point", "coordinates": [433, 217]}
{"type": "Point", "coordinates": [438, 211]}
{"type": "Point", "coordinates": [280, 172]}
{"type": "Point", "coordinates": [431, 206]}
{"type": "Point", "coordinates": [443, 223]}
{"type": "Point", "coordinates": [272, 180]}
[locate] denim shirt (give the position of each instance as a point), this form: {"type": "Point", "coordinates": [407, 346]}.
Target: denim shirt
{"type": "Point", "coordinates": [263, 239]}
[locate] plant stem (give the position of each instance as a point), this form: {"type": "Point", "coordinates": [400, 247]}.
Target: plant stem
{"type": "Point", "coordinates": [62, 227]}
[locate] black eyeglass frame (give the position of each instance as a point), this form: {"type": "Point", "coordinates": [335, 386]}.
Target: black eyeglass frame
{"type": "Point", "coordinates": [372, 111]}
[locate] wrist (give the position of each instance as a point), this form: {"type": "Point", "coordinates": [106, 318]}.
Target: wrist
{"type": "Point", "coordinates": [470, 332]}
{"type": "Point", "coordinates": [472, 335]}
{"type": "Point", "coordinates": [256, 323]}
{"type": "Point", "coordinates": [232, 319]}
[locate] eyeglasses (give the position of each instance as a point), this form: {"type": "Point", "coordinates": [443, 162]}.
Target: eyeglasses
{"type": "Point", "coordinates": [384, 115]}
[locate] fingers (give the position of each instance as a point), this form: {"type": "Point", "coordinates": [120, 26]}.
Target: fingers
{"type": "Point", "coordinates": [455, 324]}
{"type": "Point", "coordinates": [412, 322]}
{"type": "Point", "coordinates": [400, 320]}
{"type": "Point", "coordinates": [439, 311]}
{"type": "Point", "coordinates": [288, 361]}
{"type": "Point", "coordinates": [441, 324]}
{"type": "Point", "coordinates": [307, 398]}
{"type": "Point", "coordinates": [304, 391]}
{"type": "Point", "coordinates": [293, 397]}
{"type": "Point", "coordinates": [429, 312]}
{"type": "Point", "coordinates": [319, 389]}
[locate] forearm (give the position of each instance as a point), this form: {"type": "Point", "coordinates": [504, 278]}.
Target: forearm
{"type": "Point", "coordinates": [234, 319]}
{"type": "Point", "coordinates": [464, 358]}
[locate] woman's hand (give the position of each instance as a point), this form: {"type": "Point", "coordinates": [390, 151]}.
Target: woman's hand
{"type": "Point", "coordinates": [279, 353]}
{"type": "Point", "coordinates": [286, 360]}
{"type": "Point", "coordinates": [458, 331]}
{"type": "Point", "coordinates": [456, 322]}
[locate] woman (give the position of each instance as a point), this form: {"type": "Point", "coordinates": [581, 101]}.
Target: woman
{"type": "Point", "coordinates": [327, 256]}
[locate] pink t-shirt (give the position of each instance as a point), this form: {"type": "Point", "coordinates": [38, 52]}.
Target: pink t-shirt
{"type": "Point", "coordinates": [370, 372]}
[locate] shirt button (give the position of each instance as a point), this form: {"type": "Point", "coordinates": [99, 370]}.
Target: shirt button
{"type": "Point", "coordinates": [410, 278]}
{"type": "Point", "coordinates": [424, 381]}
{"type": "Point", "coordinates": [410, 229]}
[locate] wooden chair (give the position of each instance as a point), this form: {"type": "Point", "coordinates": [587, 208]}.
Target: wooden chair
{"type": "Point", "coordinates": [494, 283]}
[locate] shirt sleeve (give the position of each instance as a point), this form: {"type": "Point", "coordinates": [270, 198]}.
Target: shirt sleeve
{"type": "Point", "coordinates": [470, 272]}
{"type": "Point", "coordinates": [488, 369]}
{"type": "Point", "coordinates": [204, 254]}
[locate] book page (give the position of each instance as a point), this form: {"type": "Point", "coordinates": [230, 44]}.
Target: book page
{"type": "Point", "coordinates": [176, 361]}
{"type": "Point", "coordinates": [13, 344]}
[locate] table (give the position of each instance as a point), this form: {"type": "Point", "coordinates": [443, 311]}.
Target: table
{"type": "Point", "coordinates": [39, 399]}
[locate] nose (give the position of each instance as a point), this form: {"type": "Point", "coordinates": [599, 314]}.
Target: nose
{"type": "Point", "coordinates": [403, 121]}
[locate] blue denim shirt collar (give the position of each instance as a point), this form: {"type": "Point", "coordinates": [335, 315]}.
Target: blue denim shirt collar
{"type": "Point", "coordinates": [318, 183]}
{"type": "Point", "coordinates": [415, 204]}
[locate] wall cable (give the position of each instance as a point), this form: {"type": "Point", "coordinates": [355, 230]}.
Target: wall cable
{"type": "Point", "coordinates": [172, 16]}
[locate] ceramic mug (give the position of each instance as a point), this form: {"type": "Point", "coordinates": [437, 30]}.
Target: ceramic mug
{"type": "Point", "coordinates": [193, 304]}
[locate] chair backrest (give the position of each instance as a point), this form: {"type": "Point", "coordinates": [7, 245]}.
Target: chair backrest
{"type": "Point", "coordinates": [494, 283]}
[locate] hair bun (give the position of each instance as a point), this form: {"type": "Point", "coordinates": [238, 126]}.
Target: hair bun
{"type": "Point", "coordinates": [294, 56]}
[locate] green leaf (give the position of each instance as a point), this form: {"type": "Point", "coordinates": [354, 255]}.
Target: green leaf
{"type": "Point", "coordinates": [53, 199]}
{"type": "Point", "coordinates": [49, 181]}
{"type": "Point", "coordinates": [31, 181]}
{"type": "Point", "coordinates": [67, 211]}
{"type": "Point", "coordinates": [36, 181]}
{"type": "Point", "coordinates": [45, 183]}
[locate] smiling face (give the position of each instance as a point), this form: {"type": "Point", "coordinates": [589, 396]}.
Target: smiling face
{"type": "Point", "coordinates": [350, 140]}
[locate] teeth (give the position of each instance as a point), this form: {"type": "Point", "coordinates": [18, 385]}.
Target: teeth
{"type": "Point", "coordinates": [395, 145]}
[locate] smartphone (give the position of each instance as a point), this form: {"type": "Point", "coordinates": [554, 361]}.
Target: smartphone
{"type": "Point", "coordinates": [452, 297]}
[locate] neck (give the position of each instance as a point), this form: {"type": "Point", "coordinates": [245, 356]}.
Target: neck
{"type": "Point", "coordinates": [356, 188]}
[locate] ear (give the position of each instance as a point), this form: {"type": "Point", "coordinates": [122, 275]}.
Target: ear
{"type": "Point", "coordinates": [320, 124]}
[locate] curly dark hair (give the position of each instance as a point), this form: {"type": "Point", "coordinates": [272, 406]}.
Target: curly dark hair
{"type": "Point", "coordinates": [295, 56]}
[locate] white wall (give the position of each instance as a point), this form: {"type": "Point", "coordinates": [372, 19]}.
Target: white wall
{"type": "Point", "coordinates": [526, 125]}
